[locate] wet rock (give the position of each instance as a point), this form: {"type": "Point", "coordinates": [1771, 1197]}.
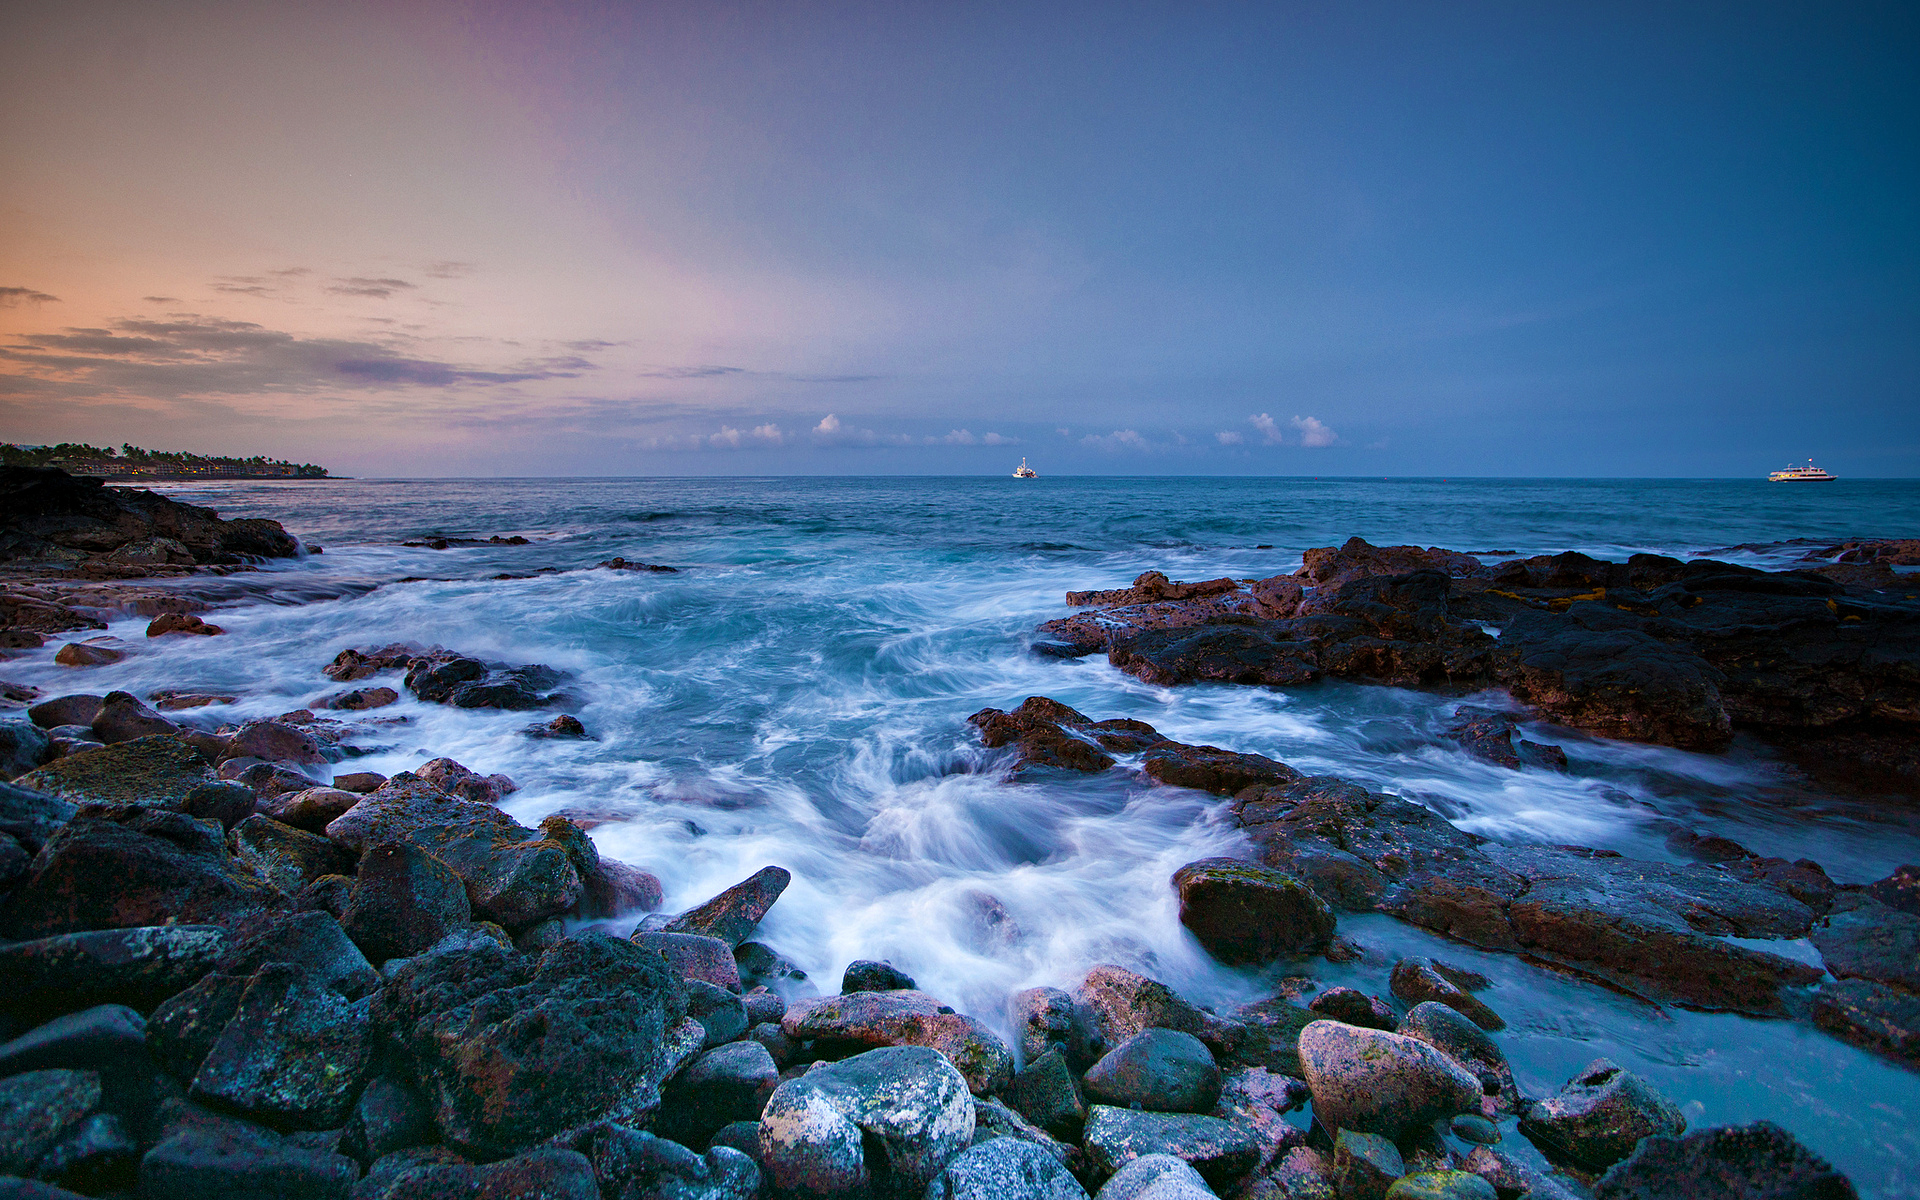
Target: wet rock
{"type": "Point", "coordinates": [176, 701]}
{"type": "Point", "coordinates": [1155, 1177]}
{"type": "Point", "coordinates": [1152, 586]}
{"type": "Point", "coordinates": [1599, 1117]}
{"type": "Point", "coordinates": [135, 967]}
{"type": "Point", "coordinates": [1760, 1161]}
{"type": "Point", "coordinates": [510, 1051]}
{"type": "Point", "coordinates": [1121, 1003]}
{"type": "Point", "coordinates": [1353, 1007]}
{"type": "Point", "coordinates": [1333, 567]}
{"type": "Point", "coordinates": [694, 956]}
{"type": "Point", "coordinates": [294, 1052]}
{"type": "Point", "coordinates": [1245, 913]}
{"type": "Point", "coordinates": [992, 1119]}
{"type": "Point", "coordinates": [1161, 1070]}
{"type": "Point", "coordinates": [726, 1084]}
{"type": "Point", "coordinates": [76, 709]}
{"type": "Point", "coordinates": [1365, 1165]}
{"type": "Point", "coordinates": [359, 699]}
{"type": "Point", "coordinates": [350, 665]}
{"type": "Point", "coordinates": [1615, 681]}
{"type": "Point", "coordinates": [1046, 1093]}
{"type": "Point", "coordinates": [22, 748]}
{"type": "Point", "coordinates": [87, 654]}
{"type": "Point", "coordinates": [186, 623]}
{"type": "Point", "coordinates": [734, 914]}
{"type": "Point", "coordinates": [1091, 632]}
{"type": "Point", "coordinates": [286, 857]}
{"type": "Point", "coordinates": [562, 726]}
{"type": "Point", "coordinates": [630, 1165]}
{"type": "Point", "coordinates": [312, 941]}
{"type": "Point", "coordinates": [278, 742]}
{"type": "Point", "coordinates": [197, 1163]}
{"type": "Point", "coordinates": [98, 1155]}
{"type": "Point", "coordinates": [456, 780]}
{"type": "Point", "coordinates": [32, 817]}
{"type": "Point", "coordinates": [185, 1027]}
{"type": "Point", "coordinates": [1005, 1169]}
{"type": "Point", "coordinates": [403, 901]}
{"type": "Point", "coordinates": [359, 782]}
{"type": "Point", "coordinates": [1447, 1030]}
{"type": "Point", "coordinates": [40, 1108]}
{"type": "Point", "coordinates": [718, 1011]}
{"type": "Point", "coordinates": [513, 876]}
{"type": "Point", "coordinates": [1216, 654]}
{"type": "Point", "coordinates": [1302, 1173]}
{"type": "Point", "coordinates": [763, 1006]}
{"type": "Point", "coordinates": [863, 975]}
{"type": "Point", "coordinates": [1494, 737]}
{"type": "Point", "coordinates": [888, 1120]}
{"type": "Point", "coordinates": [862, 1020]}
{"type": "Point", "coordinates": [1259, 1099]}
{"type": "Point", "coordinates": [1221, 1151]}
{"type": "Point", "coordinates": [1900, 890]}
{"type": "Point", "coordinates": [155, 771]}
{"type": "Point", "coordinates": [759, 965]}
{"type": "Point", "coordinates": [311, 809]}
{"type": "Point", "coordinates": [1510, 1177]}
{"type": "Point", "coordinates": [389, 1116]}
{"type": "Point", "coordinates": [1047, 1018]}
{"type": "Point", "coordinates": [469, 683]}
{"type": "Point", "coordinates": [1471, 1127]}
{"type": "Point", "coordinates": [1865, 939]}
{"type": "Point", "coordinates": [1441, 1185]}
{"type": "Point", "coordinates": [266, 779]}
{"type": "Point", "coordinates": [166, 866]}
{"type": "Point", "coordinates": [1375, 1082]}
{"type": "Point", "coordinates": [1870, 1014]}
{"type": "Point", "coordinates": [1046, 733]}
{"type": "Point", "coordinates": [548, 1172]}
{"type": "Point", "coordinates": [1211, 769]}
{"type": "Point", "coordinates": [1416, 980]}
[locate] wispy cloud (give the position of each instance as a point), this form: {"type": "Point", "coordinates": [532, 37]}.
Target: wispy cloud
{"type": "Point", "coordinates": [1230, 437]}
{"type": "Point", "coordinates": [832, 432]}
{"type": "Point", "coordinates": [1267, 428]}
{"type": "Point", "coordinates": [1313, 433]}
{"type": "Point", "coordinates": [447, 270]}
{"type": "Point", "coordinates": [161, 299]}
{"type": "Point", "coordinates": [378, 289]}
{"type": "Point", "coordinates": [1118, 440]}
{"type": "Point", "coordinates": [11, 296]}
{"type": "Point", "coordinates": [703, 372]}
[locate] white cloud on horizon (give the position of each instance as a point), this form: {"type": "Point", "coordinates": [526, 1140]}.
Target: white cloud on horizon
{"type": "Point", "coordinates": [1230, 437]}
{"type": "Point", "coordinates": [1313, 433]}
{"type": "Point", "coordinates": [1118, 440]}
{"type": "Point", "coordinates": [1268, 428]}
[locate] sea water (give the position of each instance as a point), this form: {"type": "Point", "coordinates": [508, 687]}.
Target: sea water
{"type": "Point", "coordinates": [797, 693]}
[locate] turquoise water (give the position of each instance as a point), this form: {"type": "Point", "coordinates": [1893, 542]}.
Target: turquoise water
{"type": "Point", "coordinates": [798, 694]}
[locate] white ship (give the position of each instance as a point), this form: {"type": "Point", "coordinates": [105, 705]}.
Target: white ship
{"type": "Point", "coordinates": [1023, 471]}
{"type": "Point", "coordinates": [1806, 474]}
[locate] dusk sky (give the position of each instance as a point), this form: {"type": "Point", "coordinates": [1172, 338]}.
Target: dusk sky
{"type": "Point", "coordinates": [1291, 239]}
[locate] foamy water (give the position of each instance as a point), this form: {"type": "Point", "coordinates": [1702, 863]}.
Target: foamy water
{"type": "Point", "coordinates": [798, 695]}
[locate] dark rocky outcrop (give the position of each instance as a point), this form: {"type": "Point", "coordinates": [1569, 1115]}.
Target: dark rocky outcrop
{"type": "Point", "coordinates": [1760, 1161]}
{"type": "Point", "coordinates": [155, 770]}
{"type": "Point", "coordinates": [54, 517]}
{"type": "Point", "coordinates": [1599, 1117]}
{"type": "Point", "coordinates": [1246, 913]}
{"type": "Point", "coordinates": [734, 914]}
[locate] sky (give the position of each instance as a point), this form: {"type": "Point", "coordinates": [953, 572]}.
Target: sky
{"type": "Point", "coordinates": [475, 239]}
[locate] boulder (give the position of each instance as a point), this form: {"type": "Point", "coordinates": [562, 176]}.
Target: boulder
{"type": "Point", "coordinates": [100, 1155]}
{"type": "Point", "coordinates": [562, 726]}
{"type": "Point", "coordinates": [23, 746]}
{"type": "Point", "coordinates": [1385, 1083]}
{"type": "Point", "coordinates": [185, 1027]}
{"type": "Point", "coordinates": [312, 941]}
{"type": "Point", "coordinates": [1222, 1151]}
{"type": "Point", "coordinates": [886, 1122]}
{"type": "Point", "coordinates": [1760, 1161]}
{"type": "Point", "coordinates": [267, 779]}
{"type": "Point", "coordinates": [176, 701]}
{"type": "Point", "coordinates": [87, 654]}
{"type": "Point", "coordinates": [295, 1052]}
{"type": "Point", "coordinates": [630, 1165]}
{"type": "Point", "coordinates": [1161, 1070]}
{"type": "Point", "coordinates": [199, 1162]}
{"type": "Point", "coordinates": [1047, 733]}
{"type": "Point", "coordinates": [1441, 1185]}
{"type": "Point", "coordinates": [863, 975]}
{"type": "Point", "coordinates": [46, 508]}
{"type": "Point", "coordinates": [1155, 1177]}
{"type": "Point", "coordinates": [1211, 769]}
{"type": "Point", "coordinates": [456, 780]}
{"type": "Point", "coordinates": [1870, 1014]}
{"type": "Point", "coordinates": [1353, 1007]}
{"type": "Point", "coordinates": [349, 665]}
{"type": "Point", "coordinates": [1447, 1030]}
{"type": "Point", "coordinates": [97, 1038]}
{"type": "Point", "coordinates": [286, 857]}
{"type": "Point", "coordinates": [726, 1084]}
{"type": "Point", "coordinates": [695, 956]}
{"type": "Point", "coordinates": [166, 866]}
{"type": "Point", "coordinates": [1365, 1165]}
{"type": "Point", "coordinates": [1301, 1173]}
{"type": "Point", "coordinates": [1047, 1018]}
{"type": "Point", "coordinates": [864, 1020]}
{"type": "Point", "coordinates": [39, 1109]}
{"type": "Point", "coordinates": [1120, 1003]}
{"type": "Point", "coordinates": [276, 742]}
{"type": "Point", "coordinates": [1151, 586]}
{"type": "Point", "coordinates": [1599, 1117]}
{"type": "Point", "coordinates": [135, 967]}
{"type": "Point", "coordinates": [154, 771]}
{"type": "Point", "coordinates": [513, 876]}
{"type": "Point", "coordinates": [1333, 567]}
{"type": "Point", "coordinates": [76, 709]}
{"type": "Point", "coordinates": [1046, 1093]}
{"type": "Point", "coordinates": [359, 699]}
{"type": "Point", "coordinates": [1246, 913]}
{"type": "Point", "coordinates": [469, 683]}
{"type": "Point", "coordinates": [1865, 939]}
{"type": "Point", "coordinates": [1260, 1100]}
{"type": "Point", "coordinates": [31, 817]}
{"type": "Point", "coordinates": [1005, 1169]}
{"type": "Point", "coordinates": [403, 901]}
{"type": "Point", "coordinates": [122, 718]}
{"type": "Point", "coordinates": [719, 1012]}
{"type": "Point", "coordinates": [390, 1115]}
{"type": "Point", "coordinates": [1416, 980]}
{"type": "Point", "coordinates": [1091, 632]}
{"type": "Point", "coordinates": [361, 783]}
{"type": "Point", "coordinates": [510, 1050]}
{"type": "Point", "coordinates": [311, 809]}
{"type": "Point", "coordinates": [186, 623]}
{"type": "Point", "coordinates": [1509, 1176]}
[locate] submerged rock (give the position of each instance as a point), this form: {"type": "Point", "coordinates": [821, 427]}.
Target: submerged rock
{"type": "Point", "coordinates": [1417, 979]}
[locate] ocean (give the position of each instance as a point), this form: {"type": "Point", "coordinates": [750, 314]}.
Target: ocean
{"type": "Point", "coordinates": [797, 693]}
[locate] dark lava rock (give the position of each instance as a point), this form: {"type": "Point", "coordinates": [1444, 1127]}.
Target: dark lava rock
{"type": "Point", "coordinates": [135, 967]}
{"type": "Point", "coordinates": [734, 914]}
{"type": "Point", "coordinates": [864, 1020]}
{"type": "Point", "coordinates": [47, 511]}
{"type": "Point", "coordinates": [390, 1115]}
{"type": "Point", "coordinates": [38, 1109]}
{"type": "Point", "coordinates": [1900, 890]}
{"type": "Point", "coordinates": [294, 1052]}
{"type": "Point", "coordinates": [1246, 913]}
{"type": "Point", "coordinates": [1615, 681]}
{"type": "Point", "coordinates": [1417, 979]}
{"type": "Point", "coordinates": [165, 867]}
{"type": "Point", "coordinates": [510, 1050]}
{"type": "Point", "coordinates": [1384, 1083]}
{"type": "Point", "coordinates": [1599, 1117]}
{"type": "Point", "coordinates": [22, 748]}
{"type": "Point", "coordinates": [157, 771]}
{"type": "Point", "coordinates": [864, 975]}
{"type": "Point", "coordinates": [630, 1165]}
{"type": "Point", "coordinates": [719, 1012]}
{"type": "Point", "coordinates": [1493, 737]}
{"type": "Point", "coordinates": [1864, 939]}
{"type": "Point", "coordinates": [1222, 1151]}
{"type": "Point", "coordinates": [1353, 1007]}
{"type": "Point", "coordinates": [1211, 769]}
{"type": "Point", "coordinates": [1870, 1014]}
{"type": "Point", "coordinates": [470, 683]}
{"type": "Point", "coordinates": [1046, 1093]}
{"type": "Point", "coordinates": [1151, 586]}
{"type": "Point", "coordinates": [1091, 632]}
{"type": "Point", "coordinates": [200, 1162]}
{"type": "Point", "coordinates": [1447, 1030]}
{"type": "Point", "coordinates": [694, 956]}
{"type": "Point", "coordinates": [887, 1121]}
{"type": "Point", "coordinates": [349, 665]}
{"type": "Point", "coordinates": [548, 1172]}
{"type": "Point", "coordinates": [122, 718]}
{"type": "Point", "coordinates": [1162, 1070]}
{"type": "Point", "coordinates": [513, 876]}
{"type": "Point", "coordinates": [1216, 654]}
{"type": "Point", "coordinates": [1333, 567]}
{"type": "Point", "coordinates": [286, 857]}
{"type": "Point", "coordinates": [311, 809]}
{"type": "Point", "coordinates": [311, 940]}
{"type": "Point", "coordinates": [1047, 733]}
{"type": "Point", "coordinates": [1005, 1169]}
{"type": "Point", "coordinates": [726, 1084]}
{"type": "Point", "coordinates": [359, 699]}
{"type": "Point", "coordinates": [32, 817]}
{"type": "Point", "coordinates": [403, 901]}
{"type": "Point", "coordinates": [1760, 1161]}
{"type": "Point", "coordinates": [562, 726]}
{"type": "Point", "coordinates": [77, 709]}
{"type": "Point", "coordinates": [1049, 1019]}
{"type": "Point", "coordinates": [1365, 1165]}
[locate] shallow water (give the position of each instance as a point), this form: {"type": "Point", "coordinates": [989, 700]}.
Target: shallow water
{"type": "Point", "coordinates": [798, 694]}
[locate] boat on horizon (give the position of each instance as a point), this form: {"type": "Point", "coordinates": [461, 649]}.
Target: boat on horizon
{"type": "Point", "coordinates": [1023, 471]}
{"type": "Point", "coordinates": [1806, 474]}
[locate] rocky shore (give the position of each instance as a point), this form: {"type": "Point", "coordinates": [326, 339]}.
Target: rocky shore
{"type": "Point", "coordinates": [240, 968]}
